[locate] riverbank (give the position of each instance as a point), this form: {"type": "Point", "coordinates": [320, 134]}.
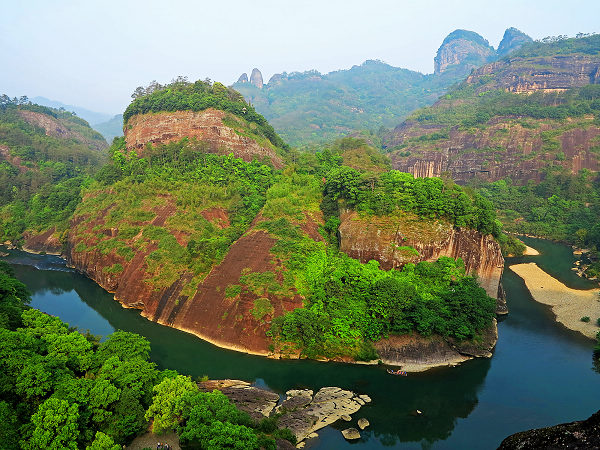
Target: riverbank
{"type": "Point", "coordinates": [530, 251]}
{"type": "Point", "coordinates": [568, 305]}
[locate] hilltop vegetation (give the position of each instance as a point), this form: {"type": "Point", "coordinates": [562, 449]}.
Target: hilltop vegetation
{"type": "Point", "coordinates": [41, 172]}
{"type": "Point", "coordinates": [180, 95]}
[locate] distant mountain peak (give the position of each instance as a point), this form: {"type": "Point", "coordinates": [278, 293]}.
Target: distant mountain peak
{"type": "Point", "coordinates": [256, 78]}
{"type": "Point", "coordinates": [243, 78]}
{"type": "Point", "coordinates": [513, 39]}
{"type": "Point", "coordinates": [461, 51]}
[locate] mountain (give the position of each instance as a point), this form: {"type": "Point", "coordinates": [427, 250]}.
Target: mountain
{"type": "Point", "coordinates": [519, 117]}
{"type": "Point", "coordinates": [309, 108]}
{"type": "Point", "coordinates": [111, 128]}
{"type": "Point", "coordinates": [206, 221]}
{"type": "Point", "coordinates": [512, 40]}
{"type": "Point", "coordinates": [92, 117]}
{"type": "Point", "coordinates": [45, 156]}
{"type": "Point", "coordinates": [461, 51]}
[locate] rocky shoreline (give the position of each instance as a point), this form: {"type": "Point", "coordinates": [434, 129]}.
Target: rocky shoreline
{"type": "Point", "coordinates": [302, 411]}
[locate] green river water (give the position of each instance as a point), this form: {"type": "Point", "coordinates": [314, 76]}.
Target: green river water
{"type": "Point", "coordinates": [541, 374]}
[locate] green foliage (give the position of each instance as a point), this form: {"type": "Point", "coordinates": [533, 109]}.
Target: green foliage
{"type": "Point", "coordinates": [13, 298]}
{"type": "Point", "coordinates": [41, 175]}
{"type": "Point", "coordinates": [428, 197]}
{"type": "Point", "coordinates": [103, 442]}
{"type": "Point", "coordinates": [585, 319]}
{"type": "Point", "coordinates": [170, 403]}
{"type": "Point", "coordinates": [198, 96]}
{"type": "Point", "coordinates": [350, 304]}
{"type": "Point", "coordinates": [55, 425]}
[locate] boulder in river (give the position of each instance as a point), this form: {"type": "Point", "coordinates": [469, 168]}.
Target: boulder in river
{"type": "Point", "coordinates": [351, 434]}
{"type": "Point", "coordinates": [363, 423]}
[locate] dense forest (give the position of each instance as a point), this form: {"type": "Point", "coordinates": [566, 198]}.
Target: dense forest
{"type": "Point", "coordinates": [63, 389]}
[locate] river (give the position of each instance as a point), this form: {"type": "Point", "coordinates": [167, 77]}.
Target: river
{"type": "Point", "coordinates": [541, 374]}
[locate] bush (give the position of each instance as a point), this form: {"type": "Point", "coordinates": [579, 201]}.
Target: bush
{"type": "Point", "coordinates": [585, 319]}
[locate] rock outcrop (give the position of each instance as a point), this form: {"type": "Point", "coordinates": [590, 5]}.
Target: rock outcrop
{"type": "Point", "coordinates": [512, 40]}
{"type": "Point", "coordinates": [462, 51]}
{"type": "Point", "coordinates": [302, 412]}
{"type": "Point", "coordinates": [243, 78]}
{"type": "Point", "coordinates": [575, 435]}
{"type": "Point", "coordinates": [256, 78]}
{"type": "Point", "coordinates": [207, 126]}
{"type": "Point", "coordinates": [55, 128]}
{"type": "Point", "coordinates": [506, 147]}
{"type": "Point", "coordinates": [546, 73]}
{"type": "Point", "coordinates": [387, 238]}
{"type": "Point", "coordinates": [48, 242]}
{"type": "Point", "coordinates": [416, 353]}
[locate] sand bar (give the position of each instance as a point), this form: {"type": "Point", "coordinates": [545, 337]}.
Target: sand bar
{"type": "Point", "coordinates": [569, 305]}
{"type": "Point", "coordinates": [530, 251]}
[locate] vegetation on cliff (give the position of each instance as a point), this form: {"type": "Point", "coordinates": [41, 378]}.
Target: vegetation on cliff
{"type": "Point", "coordinates": [181, 95]}
{"type": "Point", "coordinates": [65, 390]}
{"type": "Point", "coordinates": [41, 171]}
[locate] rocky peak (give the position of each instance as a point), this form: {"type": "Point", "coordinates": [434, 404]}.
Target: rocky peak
{"type": "Point", "coordinates": [243, 78]}
{"type": "Point", "coordinates": [256, 78]}
{"type": "Point", "coordinates": [513, 39]}
{"type": "Point", "coordinates": [461, 51]}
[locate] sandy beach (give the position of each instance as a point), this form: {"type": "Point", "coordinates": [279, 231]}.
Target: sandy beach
{"type": "Point", "coordinates": [530, 251]}
{"type": "Point", "coordinates": [569, 305]}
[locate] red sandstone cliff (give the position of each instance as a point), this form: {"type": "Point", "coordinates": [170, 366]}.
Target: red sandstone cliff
{"type": "Point", "coordinates": [207, 126]}
{"type": "Point", "coordinates": [386, 238]}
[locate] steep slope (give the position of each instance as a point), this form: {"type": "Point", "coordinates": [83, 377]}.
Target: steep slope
{"type": "Point", "coordinates": [45, 155]}
{"type": "Point", "coordinates": [242, 255]}
{"type": "Point", "coordinates": [512, 40]}
{"type": "Point", "coordinates": [535, 110]}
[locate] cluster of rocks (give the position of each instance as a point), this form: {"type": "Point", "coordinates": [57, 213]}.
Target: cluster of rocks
{"type": "Point", "coordinates": [302, 411]}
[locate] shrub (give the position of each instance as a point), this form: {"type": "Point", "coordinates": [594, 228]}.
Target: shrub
{"type": "Point", "coordinates": [585, 319]}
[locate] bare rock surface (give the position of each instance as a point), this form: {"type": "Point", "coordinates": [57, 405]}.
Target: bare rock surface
{"type": "Point", "coordinates": [363, 423]}
{"type": "Point", "coordinates": [351, 434]}
{"type": "Point", "coordinates": [302, 412]}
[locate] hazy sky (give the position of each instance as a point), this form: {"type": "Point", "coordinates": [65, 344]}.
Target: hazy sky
{"type": "Point", "coordinates": [94, 53]}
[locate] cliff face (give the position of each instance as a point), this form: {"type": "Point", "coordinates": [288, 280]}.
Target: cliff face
{"type": "Point", "coordinates": [463, 50]}
{"type": "Point", "coordinates": [256, 78]}
{"type": "Point", "coordinates": [506, 147]}
{"type": "Point", "coordinates": [202, 307]}
{"type": "Point", "coordinates": [386, 238]}
{"type": "Point", "coordinates": [547, 73]}
{"type": "Point", "coordinates": [207, 126]}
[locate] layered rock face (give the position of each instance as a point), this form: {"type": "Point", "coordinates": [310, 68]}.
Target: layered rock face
{"type": "Point", "coordinates": [547, 73]}
{"type": "Point", "coordinates": [504, 148]}
{"type": "Point", "coordinates": [387, 238]}
{"type": "Point", "coordinates": [207, 126]}
{"type": "Point", "coordinates": [465, 49]}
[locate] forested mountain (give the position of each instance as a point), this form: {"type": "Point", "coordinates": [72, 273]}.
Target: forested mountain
{"type": "Point", "coordinates": [111, 128]}
{"type": "Point", "coordinates": [45, 156]}
{"type": "Point", "coordinates": [535, 111]}
{"type": "Point", "coordinates": [310, 107]}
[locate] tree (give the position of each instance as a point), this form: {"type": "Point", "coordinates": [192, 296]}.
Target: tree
{"type": "Point", "coordinates": [103, 442]}
{"type": "Point", "coordinates": [124, 345]}
{"type": "Point", "coordinates": [171, 401]}
{"type": "Point", "coordinates": [55, 426]}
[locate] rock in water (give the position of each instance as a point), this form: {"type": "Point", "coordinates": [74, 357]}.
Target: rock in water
{"type": "Point", "coordinates": [363, 423]}
{"type": "Point", "coordinates": [351, 434]}
{"type": "Point", "coordinates": [346, 417]}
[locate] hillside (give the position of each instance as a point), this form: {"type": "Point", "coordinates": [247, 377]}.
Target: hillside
{"type": "Point", "coordinates": [45, 156]}
{"type": "Point", "coordinates": [310, 107]}
{"type": "Point", "coordinates": [110, 129]}
{"type": "Point", "coordinates": [534, 111]}
{"type": "Point", "coordinates": [200, 224]}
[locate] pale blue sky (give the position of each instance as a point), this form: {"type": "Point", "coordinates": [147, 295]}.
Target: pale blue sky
{"type": "Point", "coordinates": [94, 53]}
